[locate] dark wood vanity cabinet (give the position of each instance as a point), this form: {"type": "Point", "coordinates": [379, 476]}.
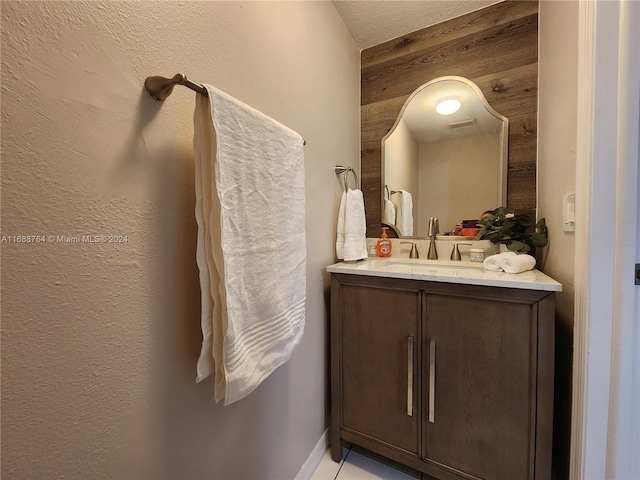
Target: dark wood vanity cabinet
{"type": "Point", "coordinates": [378, 398]}
{"type": "Point", "coordinates": [453, 380]}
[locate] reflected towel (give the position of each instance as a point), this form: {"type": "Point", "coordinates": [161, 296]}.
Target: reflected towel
{"type": "Point", "coordinates": [251, 214]}
{"type": "Point", "coordinates": [389, 216]}
{"type": "Point", "coordinates": [404, 217]}
{"type": "Point", "coordinates": [355, 227]}
{"type": "Point", "coordinates": [518, 263]}
{"type": "Point", "coordinates": [494, 262]}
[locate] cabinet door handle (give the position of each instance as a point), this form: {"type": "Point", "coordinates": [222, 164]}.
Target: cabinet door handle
{"type": "Point", "coordinates": [410, 376]}
{"type": "Point", "coordinates": [432, 381]}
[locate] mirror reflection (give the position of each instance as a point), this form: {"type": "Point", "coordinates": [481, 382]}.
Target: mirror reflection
{"type": "Point", "coordinates": [445, 157]}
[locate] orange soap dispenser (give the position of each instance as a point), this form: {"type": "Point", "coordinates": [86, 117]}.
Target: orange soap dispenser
{"type": "Point", "coordinates": [383, 247]}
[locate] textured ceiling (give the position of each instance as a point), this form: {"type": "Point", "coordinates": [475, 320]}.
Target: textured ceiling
{"type": "Point", "coordinates": [375, 21]}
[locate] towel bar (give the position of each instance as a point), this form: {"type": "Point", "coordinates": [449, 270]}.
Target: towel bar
{"type": "Point", "coordinates": [161, 87]}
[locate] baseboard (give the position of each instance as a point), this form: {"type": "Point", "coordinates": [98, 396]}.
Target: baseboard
{"type": "Point", "coordinates": [315, 457]}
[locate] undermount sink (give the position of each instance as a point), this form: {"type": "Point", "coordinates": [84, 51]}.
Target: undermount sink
{"type": "Point", "coordinates": [420, 263]}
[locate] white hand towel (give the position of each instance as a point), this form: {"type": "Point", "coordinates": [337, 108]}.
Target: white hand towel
{"type": "Point", "coordinates": [340, 227]}
{"type": "Point", "coordinates": [518, 263]}
{"type": "Point", "coordinates": [494, 262]}
{"type": "Point", "coordinates": [355, 227]}
{"type": "Point", "coordinates": [251, 248]}
{"type": "Point", "coordinates": [404, 217]}
{"type": "Point", "coordinates": [389, 216]}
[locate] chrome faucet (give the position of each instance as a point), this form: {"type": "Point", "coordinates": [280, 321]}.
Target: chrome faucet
{"type": "Point", "coordinates": [434, 229]}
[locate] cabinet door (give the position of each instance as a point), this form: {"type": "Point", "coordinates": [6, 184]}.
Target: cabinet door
{"type": "Point", "coordinates": [379, 361]}
{"type": "Point", "coordinates": [479, 386]}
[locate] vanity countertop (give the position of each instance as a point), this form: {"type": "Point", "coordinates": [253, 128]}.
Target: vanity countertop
{"type": "Point", "coordinates": [469, 273]}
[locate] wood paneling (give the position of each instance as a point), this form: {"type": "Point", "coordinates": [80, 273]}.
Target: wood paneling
{"type": "Point", "coordinates": [497, 48]}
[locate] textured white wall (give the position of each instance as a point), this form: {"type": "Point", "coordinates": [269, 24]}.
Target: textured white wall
{"type": "Point", "coordinates": [100, 341]}
{"type": "Point", "coordinates": [557, 107]}
{"type": "Point", "coordinates": [557, 130]}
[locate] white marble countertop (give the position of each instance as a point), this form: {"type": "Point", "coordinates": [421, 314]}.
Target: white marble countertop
{"type": "Point", "coordinates": [464, 272]}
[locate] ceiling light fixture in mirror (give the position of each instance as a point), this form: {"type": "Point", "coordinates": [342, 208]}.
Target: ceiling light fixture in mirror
{"type": "Point", "coordinates": [451, 165]}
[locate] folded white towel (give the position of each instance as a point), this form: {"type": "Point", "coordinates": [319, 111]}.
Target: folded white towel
{"type": "Point", "coordinates": [518, 263]}
{"type": "Point", "coordinates": [340, 227]}
{"type": "Point", "coordinates": [355, 227]}
{"type": "Point", "coordinates": [250, 211]}
{"type": "Point", "coordinates": [404, 217]}
{"type": "Point", "coordinates": [389, 214]}
{"type": "Point", "coordinates": [494, 262]}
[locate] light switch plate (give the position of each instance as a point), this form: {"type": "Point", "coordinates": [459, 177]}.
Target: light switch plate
{"type": "Point", "coordinates": [569, 212]}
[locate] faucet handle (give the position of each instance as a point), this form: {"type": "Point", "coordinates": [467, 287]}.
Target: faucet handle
{"type": "Point", "coordinates": [414, 250]}
{"type": "Point", "coordinates": [455, 253]}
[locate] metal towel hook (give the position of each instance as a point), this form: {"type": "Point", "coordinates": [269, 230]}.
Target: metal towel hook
{"type": "Point", "coordinates": [339, 169]}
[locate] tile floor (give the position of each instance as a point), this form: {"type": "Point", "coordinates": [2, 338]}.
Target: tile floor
{"type": "Point", "coordinates": [358, 464]}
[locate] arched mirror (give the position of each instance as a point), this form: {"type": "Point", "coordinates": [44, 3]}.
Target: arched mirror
{"type": "Point", "coordinates": [450, 164]}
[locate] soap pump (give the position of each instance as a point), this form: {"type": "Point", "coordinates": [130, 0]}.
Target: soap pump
{"type": "Point", "coordinates": [383, 247]}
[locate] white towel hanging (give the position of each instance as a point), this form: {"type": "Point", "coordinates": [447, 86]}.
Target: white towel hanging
{"type": "Point", "coordinates": [251, 215]}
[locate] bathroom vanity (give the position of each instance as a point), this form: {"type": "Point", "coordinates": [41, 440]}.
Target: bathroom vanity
{"type": "Point", "coordinates": [444, 366]}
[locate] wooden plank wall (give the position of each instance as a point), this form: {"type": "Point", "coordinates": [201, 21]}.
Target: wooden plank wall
{"type": "Point", "coordinates": [497, 48]}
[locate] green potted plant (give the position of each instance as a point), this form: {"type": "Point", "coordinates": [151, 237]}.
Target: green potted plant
{"type": "Point", "coordinates": [513, 229]}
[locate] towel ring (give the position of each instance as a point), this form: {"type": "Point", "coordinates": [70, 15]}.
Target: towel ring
{"type": "Point", "coordinates": [346, 179]}
{"type": "Point", "coordinates": [345, 171]}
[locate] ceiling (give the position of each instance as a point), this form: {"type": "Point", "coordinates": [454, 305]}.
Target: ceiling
{"type": "Point", "coordinates": [375, 21]}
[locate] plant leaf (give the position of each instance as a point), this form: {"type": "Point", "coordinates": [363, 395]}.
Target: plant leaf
{"type": "Point", "coordinates": [539, 240]}
{"type": "Point", "coordinates": [517, 246]}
